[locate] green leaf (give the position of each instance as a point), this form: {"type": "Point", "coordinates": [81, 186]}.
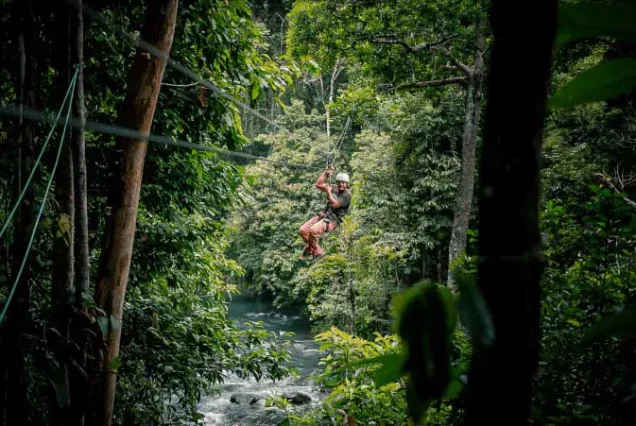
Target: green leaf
{"type": "Point", "coordinates": [622, 323]}
{"type": "Point", "coordinates": [116, 324]}
{"type": "Point", "coordinates": [606, 80]}
{"type": "Point", "coordinates": [103, 325]}
{"type": "Point", "coordinates": [474, 311]}
{"type": "Point", "coordinates": [453, 389]}
{"type": "Point", "coordinates": [255, 90]}
{"type": "Point", "coordinates": [61, 393]}
{"type": "Point", "coordinates": [115, 363]}
{"type": "Point", "coordinates": [581, 21]}
{"type": "Point", "coordinates": [423, 325]}
{"type": "Point", "coordinates": [390, 369]}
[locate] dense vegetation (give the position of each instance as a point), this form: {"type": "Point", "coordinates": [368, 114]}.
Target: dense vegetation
{"type": "Point", "coordinates": [398, 92]}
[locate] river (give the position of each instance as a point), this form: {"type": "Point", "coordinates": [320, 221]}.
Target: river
{"type": "Point", "coordinates": [220, 411]}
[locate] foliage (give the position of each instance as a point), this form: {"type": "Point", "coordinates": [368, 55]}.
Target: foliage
{"type": "Point", "coordinates": [177, 341]}
{"type": "Point", "coordinates": [589, 277]}
{"type": "Point", "coordinates": [402, 185]}
{"type": "Point", "coordinates": [208, 227]}
{"type": "Point", "coordinates": [180, 343]}
{"type": "Point", "coordinates": [609, 78]}
{"type": "Point", "coordinates": [353, 383]}
{"type": "Point", "coordinates": [321, 31]}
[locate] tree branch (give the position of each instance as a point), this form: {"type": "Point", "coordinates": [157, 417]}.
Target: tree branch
{"type": "Point", "coordinates": [465, 68]}
{"type": "Point", "coordinates": [411, 49]}
{"type": "Point", "coordinates": [608, 181]}
{"type": "Point", "coordinates": [431, 83]}
{"type": "Point", "coordinates": [437, 45]}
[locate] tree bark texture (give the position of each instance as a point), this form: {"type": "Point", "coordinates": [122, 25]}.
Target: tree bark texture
{"type": "Point", "coordinates": [137, 114]}
{"type": "Point", "coordinates": [79, 389]}
{"type": "Point", "coordinates": [464, 198]}
{"type": "Point", "coordinates": [82, 262]}
{"type": "Point", "coordinates": [510, 264]}
{"type": "Point", "coordinates": [13, 404]}
{"type": "Point", "coordinates": [337, 68]}
{"type": "Point", "coordinates": [63, 232]}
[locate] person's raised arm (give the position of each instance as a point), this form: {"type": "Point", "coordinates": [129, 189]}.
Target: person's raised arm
{"type": "Point", "coordinates": [320, 183]}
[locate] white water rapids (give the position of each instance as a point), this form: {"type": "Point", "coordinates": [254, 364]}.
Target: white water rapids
{"type": "Point", "coordinates": [220, 411]}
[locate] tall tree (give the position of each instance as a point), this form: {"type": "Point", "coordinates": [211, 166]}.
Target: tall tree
{"type": "Point", "coordinates": [138, 110]}
{"type": "Point", "coordinates": [82, 264]}
{"type": "Point", "coordinates": [510, 264]}
{"type": "Point", "coordinates": [464, 197]}
{"type": "Point", "coordinates": [471, 79]}
{"type": "Point", "coordinates": [63, 231]}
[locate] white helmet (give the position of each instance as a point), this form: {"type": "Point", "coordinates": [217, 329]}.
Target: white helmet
{"type": "Point", "coordinates": [342, 177]}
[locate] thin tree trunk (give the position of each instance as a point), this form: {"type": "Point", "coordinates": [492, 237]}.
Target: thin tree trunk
{"type": "Point", "coordinates": [14, 386]}
{"type": "Point", "coordinates": [79, 390]}
{"type": "Point", "coordinates": [337, 68]}
{"type": "Point", "coordinates": [63, 232]}
{"type": "Point", "coordinates": [138, 111]}
{"type": "Point", "coordinates": [510, 264]}
{"type": "Point", "coordinates": [82, 264]}
{"type": "Point", "coordinates": [464, 198]}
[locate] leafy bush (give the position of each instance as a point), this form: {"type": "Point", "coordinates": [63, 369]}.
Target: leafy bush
{"type": "Point", "coordinates": [360, 376]}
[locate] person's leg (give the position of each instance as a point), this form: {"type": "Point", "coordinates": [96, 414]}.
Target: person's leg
{"type": "Point", "coordinates": [304, 232]}
{"type": "Point", "coordinates": [315, 231]}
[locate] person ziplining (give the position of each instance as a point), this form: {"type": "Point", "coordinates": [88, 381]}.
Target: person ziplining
{"type": "Point", "coordinates": [327, 220]}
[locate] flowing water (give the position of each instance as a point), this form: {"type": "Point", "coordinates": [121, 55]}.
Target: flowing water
{"type": "Point", "coordinates": [220, 411]}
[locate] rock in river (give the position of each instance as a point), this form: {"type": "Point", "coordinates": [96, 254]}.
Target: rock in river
{"type": "Point", "coordinates": [244, 398]}
{"type": "Point", "coordinates": [297, 397]}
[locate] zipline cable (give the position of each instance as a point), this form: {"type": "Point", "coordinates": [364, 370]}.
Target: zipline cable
{"type": "Point", "coordinates": [183, 69]}
{"type": "Point", "coordinates": [37, 161]}
{"type": "Point", "coordinates": [39, 216]}
{"type": "Point", "coordinates": [109, 129]}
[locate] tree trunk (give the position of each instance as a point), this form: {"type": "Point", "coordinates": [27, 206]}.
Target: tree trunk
{"type": "Point", "coordinates": [510, 264]}
{"type": "Point", "coordinates": [63, 233]}
{"type": "Point", "coordinates": [464, 198]}
{"type": "Point", "coordinates": [79, 390]}
{"type": "Point", "coordinates": [138, 111]}
{"type": "Point", "coordinates": [337, 68]}
{"type": "Point", "coordinates": [13, 404]}
{"type": "Point", "coordinates": [82, 264]}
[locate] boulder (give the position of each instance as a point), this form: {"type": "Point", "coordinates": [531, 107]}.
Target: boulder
{"type": "Point", "coordinates": [258, 404]}
{"type": "Point", "coordinates": [244, 398]}
{"type": "Point", "coordinates": [275, 416]}
{"type": "Point", "coordinates": [297, 397]}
